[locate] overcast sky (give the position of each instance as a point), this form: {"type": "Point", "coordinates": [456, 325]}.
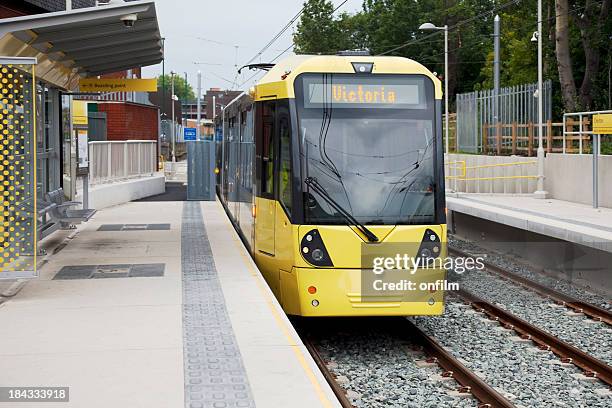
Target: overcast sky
{"type": "Point", "coordinates": [207, 31]}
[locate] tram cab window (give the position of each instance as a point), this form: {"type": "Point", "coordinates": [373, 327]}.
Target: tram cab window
{"type": "Point", "coordinates": [284, 130]}
{"type": "Point", "coordinates": [268, 151]}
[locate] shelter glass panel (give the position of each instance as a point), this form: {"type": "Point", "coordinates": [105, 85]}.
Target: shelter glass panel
{"type": "Point", "coordinates": [17, 170]}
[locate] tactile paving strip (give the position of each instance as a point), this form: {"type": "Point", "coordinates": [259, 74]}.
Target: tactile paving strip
{"type": "Point", "coordinates": [110, 271]}
{"type": "Point", "coordinates": [214, 373]}
{"type": "Point", "coordinates": [134, 227]}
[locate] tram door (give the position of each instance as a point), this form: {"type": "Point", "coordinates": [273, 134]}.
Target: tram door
{"type": "Point", "coordinates": [265, 203]}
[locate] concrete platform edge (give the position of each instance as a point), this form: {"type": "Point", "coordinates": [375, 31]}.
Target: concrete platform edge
{"type": "Point", "coordinates": [299, 353]}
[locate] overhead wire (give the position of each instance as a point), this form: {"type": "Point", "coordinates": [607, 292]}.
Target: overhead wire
{"type": "Point", "coordinates": [277, 36]}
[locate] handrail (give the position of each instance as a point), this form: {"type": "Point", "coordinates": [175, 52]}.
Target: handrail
{"type": "Point", "coordinates": [464, 168]}
{"type": "Point", "coordinates": [583, 119]}
{"type": "Point", "coordinates": [463, 173]}
{"type": "Point", "coordinates": [485, 166]}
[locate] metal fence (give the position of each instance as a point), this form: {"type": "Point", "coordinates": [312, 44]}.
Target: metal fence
{"type": "Point", "coordinates": [485, 119]}
{"type": "Point", "coordinates": [578, 133]}
{"type": "Point", "coordinates": [117, 160]}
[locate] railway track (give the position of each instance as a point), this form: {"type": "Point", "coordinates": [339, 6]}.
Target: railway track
{"type": "Point", "coordinates": [569, 354]}
{"type": "Point", "coordinates": [469, 382]}
{"type": "Point", "coordinates": [577, 305]}
{"type": "Point", "coordinates": [465, 378]}
{"type": "Point", "coordinates": [339, 392]}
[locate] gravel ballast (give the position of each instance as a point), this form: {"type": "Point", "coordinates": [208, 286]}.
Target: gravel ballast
{"type": "Point", "coordinates": [379, 371]}
{"type": "Point", "coordinates": [578, 330]}
{"type": "Point", "coordinates": [527, 376]}
{"type": "Point", "coordinates": [506, 262]}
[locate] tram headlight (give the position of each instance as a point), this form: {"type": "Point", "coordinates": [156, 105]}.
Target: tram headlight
{"type": "Point", "coordinates": [317, 255]}
{"type": "Point", "coordinates": [313, 249]}
{"type": "Point", "coordinates": [430, 247]}
{"type": "Point", "coordinates": [426, 253]}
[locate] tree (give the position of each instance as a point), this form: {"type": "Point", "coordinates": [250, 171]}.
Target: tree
{"type": "Point", "coordinates": [564, 59]}
{"type": "Point", "coordinates": [576, 39]}
{"type": "Point", "coordinates": [182, 89]}
{"type": "Point", "coordinates": [591, 23]}
{"type": "Point", "coordinates": [593, 34]}
{"type": "Point", "coordinates": [318, 32]}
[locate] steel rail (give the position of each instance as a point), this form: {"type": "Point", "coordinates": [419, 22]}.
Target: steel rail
{"type": "Point", "coordinates": [469, 381]}
{"type": "Point", "coordinates": [593, 311]}
{"type": "Point", "coordinates": [592, 367]}
{"type": "Point", "coordinates": [329, 377]}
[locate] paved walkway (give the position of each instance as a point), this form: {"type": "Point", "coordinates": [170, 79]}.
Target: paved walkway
{"type": "Point", "coordinates": [119, 339]}
{"type": "Point", "coordinates": [568, 221]}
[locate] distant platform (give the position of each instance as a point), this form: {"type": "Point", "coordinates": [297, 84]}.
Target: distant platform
{"type": "Point", "coordinates": [577, 223]}
{"type": "Point", "coordinates": [157, 305]}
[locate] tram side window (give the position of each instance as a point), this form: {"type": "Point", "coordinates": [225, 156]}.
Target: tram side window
{"type": "Point", "coordinates": [284, 131]}
{"type": "Point", "coordinates": [268, 153]}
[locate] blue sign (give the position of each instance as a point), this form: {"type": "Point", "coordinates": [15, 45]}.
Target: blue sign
{"type": "Point", "coordinates": [190, 134]}
{"type": "Point", "coordinates": [218, 134]}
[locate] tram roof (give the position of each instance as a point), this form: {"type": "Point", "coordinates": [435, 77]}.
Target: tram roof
{"type": "Point", "coordinates": [84, 42]}
{"type": "Point", "coordinates": [293, 66]}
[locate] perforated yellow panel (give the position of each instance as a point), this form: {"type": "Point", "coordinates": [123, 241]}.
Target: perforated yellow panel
{"type": "Point", "coordinates": [17, 171]}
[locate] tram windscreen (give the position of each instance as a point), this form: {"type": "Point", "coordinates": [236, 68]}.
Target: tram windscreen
{"type": "Point", "coordinates": [369, 142]}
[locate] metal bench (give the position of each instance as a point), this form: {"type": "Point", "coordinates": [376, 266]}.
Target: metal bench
{"type": "Point", "coordinates": [61, 211]}
{"type": "Point", "coordinates": [46, 225]}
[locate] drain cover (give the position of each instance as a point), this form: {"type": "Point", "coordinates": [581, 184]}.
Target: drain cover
{"type": "Point", "coordinates": [134, 227]}
{"type": "Point", "coordinates": [110, 271]}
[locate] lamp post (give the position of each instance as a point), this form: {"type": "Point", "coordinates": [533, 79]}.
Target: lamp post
{"type": "Point", "coordinates": [430, 26]}
{"type": "Point", "coordinates": [163, 96]}
{"type": "Point", "coordinates": [540, 192]}
{"type": "Point", "coordinates": [610, 74]}
{"type": "Point", "coordinates": [172, 73]}
{"type": "Point", "coordinates": [199, 136]}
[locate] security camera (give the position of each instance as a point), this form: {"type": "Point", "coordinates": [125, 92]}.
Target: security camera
{"type": "Point", "coordinates": [534, 37]}
{"type": "Point", "coordinates": [129, 20]}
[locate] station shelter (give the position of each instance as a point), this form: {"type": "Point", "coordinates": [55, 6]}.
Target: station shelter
{"type": "Point", "coordinates": [42, 59]}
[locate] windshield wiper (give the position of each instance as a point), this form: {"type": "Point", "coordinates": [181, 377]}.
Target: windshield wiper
{"type": "Point", "coordinates": [314, 184]}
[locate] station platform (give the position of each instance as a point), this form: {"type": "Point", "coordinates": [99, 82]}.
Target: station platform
{"type": "Point", "coordinates": [567, 221]}
{"type": "Point", "coordinates": [156, 304]}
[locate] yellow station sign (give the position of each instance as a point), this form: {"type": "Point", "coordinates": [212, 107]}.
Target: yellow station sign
{"type": "Point", "coordinates": [79, 113]}
{"type": "Point", "coordinates": [602, 124]}
{"type": "Point", "coordinates": [117, 85]}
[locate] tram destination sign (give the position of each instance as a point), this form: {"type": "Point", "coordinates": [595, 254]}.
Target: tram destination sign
{"type": "Point", "coordinates": [365, 95]}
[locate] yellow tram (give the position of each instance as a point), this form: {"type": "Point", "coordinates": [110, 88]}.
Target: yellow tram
{"type": "Point", "coordinates": [325, 157]}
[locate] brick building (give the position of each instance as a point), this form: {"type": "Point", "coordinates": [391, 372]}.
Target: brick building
{"type": "Point", "coordinates": [128, 115]}
{"type": "Point", "coordinates": [130, 121]}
